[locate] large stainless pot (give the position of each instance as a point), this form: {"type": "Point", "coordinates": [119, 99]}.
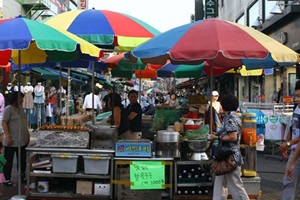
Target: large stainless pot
{"type": "Point", "coordinates": [166, 136]}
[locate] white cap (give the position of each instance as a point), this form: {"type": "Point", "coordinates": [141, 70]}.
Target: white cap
{"type": "Point", "coordinates": [28, 83]}
{"type": "Point", "coordinates": [215, 93]}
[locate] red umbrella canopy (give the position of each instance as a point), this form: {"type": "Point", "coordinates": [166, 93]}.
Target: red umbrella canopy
{"type": "Point", "coordinates": [105, 28]}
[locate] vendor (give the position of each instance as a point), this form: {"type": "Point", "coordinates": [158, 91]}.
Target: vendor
{"type": "Point", "coordinates": [119, 117]}
{"type": "Point", "coordinates": [134, 111]}
{"type": "Point", "coordinates": [173, 102]}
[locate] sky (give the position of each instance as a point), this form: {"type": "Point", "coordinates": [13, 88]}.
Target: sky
{"type": "Point", "coordinates": [161, 14]}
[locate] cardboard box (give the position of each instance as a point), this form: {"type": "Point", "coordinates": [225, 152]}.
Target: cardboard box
{"type": "Point", "coordinates": [101, 189]}
{"type": "Point", "coordinates": [84, 187]}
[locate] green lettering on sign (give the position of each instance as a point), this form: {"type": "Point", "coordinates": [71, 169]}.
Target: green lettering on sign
{"type": "Point", "coordinates": [147, 175]}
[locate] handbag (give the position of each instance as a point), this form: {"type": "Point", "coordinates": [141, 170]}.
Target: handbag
{"type": "Point", "coordinates": [224, 166]}
{"type": "Point", "coordinates": [223, 151]}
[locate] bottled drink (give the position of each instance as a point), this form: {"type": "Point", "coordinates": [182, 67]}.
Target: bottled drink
{"type": "Point", "coordinates": [193, 192]}
{"type": "Point", "coordinates": [209, 178]}
{"type": "Point", "coordinates": [184, 171]}
{"type": "Point", "coordinates": [179, 192]}
{"type": "Point", "coordinates": [189, 175]}
{"type": "Point", "coordinates": [214, 147]}
{"type": "Point", "coordinates": [199, 168]}
{"type": "Point", "coordinates": [179, 176]}
{"type": "Point", "coordinates": [200, 191]}
{"type": "Point", "coordinates": [192, 170]}
{"type": "Point", "coordinates": [205, 190]}
{"type": "Point", "coordinates": [186, 192]}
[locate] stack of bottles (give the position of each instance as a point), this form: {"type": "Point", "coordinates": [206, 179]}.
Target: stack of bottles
{"type": "Point", "coordinates": [199, 190]}
{"type": "Point", "coordinates": [194, 174]}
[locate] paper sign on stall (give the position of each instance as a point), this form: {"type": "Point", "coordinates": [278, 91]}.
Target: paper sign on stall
{"type": "Point", "coordinates": [147, 175]}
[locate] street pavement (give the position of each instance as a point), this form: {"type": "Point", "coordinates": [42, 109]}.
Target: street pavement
{"type": "Point", "coordinates": [270, 170]}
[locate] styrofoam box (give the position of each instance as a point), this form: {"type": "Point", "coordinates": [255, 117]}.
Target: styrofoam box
{"type": "Point", "coordinates": [96, 164]}
{"type": "Point", "coordinates": [64, 163]}
{"type": "Point", "coordinates": [101, 189]}
{"type": "Point", "coordinates": [251, 185]}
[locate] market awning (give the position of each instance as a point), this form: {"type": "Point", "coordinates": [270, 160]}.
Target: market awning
{"type": "Point", "coordinates": [79, 75]}
{"type": "Point", "coordinates": [63, 74]}
{"type": "Point", "coordinates": [45, 74]}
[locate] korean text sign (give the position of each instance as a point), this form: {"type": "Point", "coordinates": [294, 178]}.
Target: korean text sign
{"type": "Point", "coordinates": [147, 175]}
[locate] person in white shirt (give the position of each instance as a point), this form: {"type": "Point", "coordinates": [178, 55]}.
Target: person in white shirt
{"type": "Point", "coordinates": [88, 103]}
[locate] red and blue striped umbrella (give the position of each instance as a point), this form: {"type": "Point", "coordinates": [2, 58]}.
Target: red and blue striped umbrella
{"type": "Point", "coordinates": [105, 28]}
{"type": "Point", "coordinates": [226, 44]}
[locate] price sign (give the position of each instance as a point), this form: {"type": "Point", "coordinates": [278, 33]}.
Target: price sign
{"type": "Point", "coordinates": [147, 175]}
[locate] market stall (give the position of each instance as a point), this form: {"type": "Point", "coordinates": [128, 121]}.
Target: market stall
{"type": "Point", "coordinates": [174, 163]}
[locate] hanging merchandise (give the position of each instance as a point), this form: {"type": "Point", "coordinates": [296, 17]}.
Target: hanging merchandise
{"type": "Point", "coordinates": [273, 127]}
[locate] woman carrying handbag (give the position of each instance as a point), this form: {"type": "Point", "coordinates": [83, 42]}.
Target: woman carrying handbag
{"type": "Point", "coordinates": [229, 135]}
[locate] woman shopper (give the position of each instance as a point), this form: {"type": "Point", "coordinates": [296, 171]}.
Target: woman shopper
{"type": "Point", "coordinates": [230, 131]}
{"type": "Point", "coordinates": [11, 127]}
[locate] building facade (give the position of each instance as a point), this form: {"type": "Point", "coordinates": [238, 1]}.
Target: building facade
{"type": "Point", "coordinates": [282, 26]}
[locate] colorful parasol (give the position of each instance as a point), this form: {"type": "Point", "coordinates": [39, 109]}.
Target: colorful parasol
{"type": "Point", "coordinates": [227, 44]}
{"type": "Point", "coordinates": [39, 42]}
{"type": "Point", "coordinates": [153, 90]}
{"type": "Point", "coordinates": [105, 28]}
{"type": "Point", "coordinates": [221, 43]}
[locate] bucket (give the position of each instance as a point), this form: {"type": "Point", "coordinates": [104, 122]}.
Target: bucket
{"type": "Point", "coordinates": [43, 186]}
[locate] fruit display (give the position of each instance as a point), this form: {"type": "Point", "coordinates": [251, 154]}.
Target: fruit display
{"type": "Point", "coordinates": [64, 127]}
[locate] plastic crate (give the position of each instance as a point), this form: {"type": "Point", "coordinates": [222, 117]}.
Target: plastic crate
{"type": "Point", "coordinates": [64, 163]}
{"type": "Point", "coordinates": [96, 165]}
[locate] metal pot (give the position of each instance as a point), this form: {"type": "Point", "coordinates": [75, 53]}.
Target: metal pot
{"type": "Point", "coordinates": [198, 145]}
{"type": "Point", "coordinates": [167, 136]}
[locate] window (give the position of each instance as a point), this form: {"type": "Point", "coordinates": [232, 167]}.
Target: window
{"type": "Point", "coordinates": [253, 13]}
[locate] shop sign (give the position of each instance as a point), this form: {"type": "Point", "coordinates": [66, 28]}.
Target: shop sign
{"type": "Point", "coordinates": [82, 4]}
{"type": "Point", "coordinates": [287, 99]}
{"type": "Point", "coordinates": [133, 149]}
{"type": "Point", "coordinates": [211, 9]}
{"type": "Point", "coordinates": [147, 175]}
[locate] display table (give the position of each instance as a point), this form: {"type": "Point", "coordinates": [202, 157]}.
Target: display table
{"type": "Point", "coordinates": [122, 183]}
{"type": "Point", "coordinates": [69, 175]}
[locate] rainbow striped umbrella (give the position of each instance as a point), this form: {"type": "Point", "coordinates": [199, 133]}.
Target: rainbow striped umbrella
{"type": "Point", "coordinates": [221, 43]}
{"type": "Point", "coordinates": [37, 42]}
{"type": "Point", "coordinates": [105, 28]}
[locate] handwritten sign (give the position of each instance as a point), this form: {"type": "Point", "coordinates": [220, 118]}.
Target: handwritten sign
{"type": "Point", "coordinates": [147, 175]}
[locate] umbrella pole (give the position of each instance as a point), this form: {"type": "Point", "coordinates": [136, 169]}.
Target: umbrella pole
{"type": "Point", "coordinates": [93, 79]}
{"type": "Point", "coordinates": [19, 196]}
{"type": "Point", "coordinates": [60, 92]}
{"type": "Point", "coordinates": [140, 86]}
{"type": "Point", "coordinates": [211, 86]}
{"type": "Point", "coordinates": [19, 135]}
